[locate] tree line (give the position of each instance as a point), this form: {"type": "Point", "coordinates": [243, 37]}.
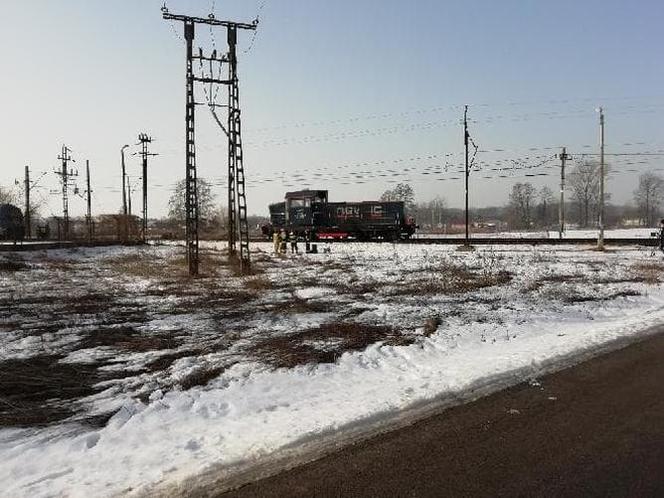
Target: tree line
{"type": "Point", "coordinates": [527, 208]}
{"type": "Point", "coordinates": [534, 208]}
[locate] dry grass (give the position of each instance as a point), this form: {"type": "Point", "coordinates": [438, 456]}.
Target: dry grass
{"type": "Point", "coordinates": [35, 391]}
{"type": "Point", "coordinates": [296, 304]}
{"type": "Point", "coordinates": [258, 284]}
{"type": "Point", "coordinates": [562, 278]}
{"type": "Point", "coordinates": [125, 338]}
{"type": "Point", "coordinates": [57, 264]}
{"type": "Point", "coordinates": [324, 344]}
{"type": "Point", "coordinates": [201, 377]}
{"type": "Point", "coordinates": [458, 281]}
{"type": "Point", "coordinates": [13, 265]}
{"type": "Point", "coordinates": [431, 325]}
{"type": "Point", "coordinates": [357, 287]}
{"type": "Point", "coordinates": [142, 265]}
{"type": "Point", "coordinates": [650, 273]}
{"type": "Point", "coordinates": [580, 298]}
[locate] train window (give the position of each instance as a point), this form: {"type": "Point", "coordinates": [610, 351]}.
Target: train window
{"type": "Point", "coordinates": [307, 202]}
{"type": "Point", "coordinates": [296, 203]}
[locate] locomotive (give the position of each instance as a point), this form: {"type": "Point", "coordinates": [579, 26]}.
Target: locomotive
{"type": "Point", "coordinates": [308, 213]}
{"type": "Point", "coordinates": [12, 226]}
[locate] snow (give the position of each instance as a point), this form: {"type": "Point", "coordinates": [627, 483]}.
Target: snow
{"type": "Point", "coordinates": [615, 233]}
{"type": "Point", "coordinates": [559, 303]}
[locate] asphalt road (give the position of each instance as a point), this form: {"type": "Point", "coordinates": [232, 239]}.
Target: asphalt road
{"type": "Point", "coordinates": [596, 429]}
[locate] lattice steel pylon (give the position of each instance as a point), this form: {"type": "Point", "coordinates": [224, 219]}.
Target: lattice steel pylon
{"type": "Point", "coordinates": [65, 175]}
{"type": "Point", "coordinates": [191, 188]}
{"type": "Point", "coordinates": [236, 227]}
{"type": "Point", "coordinates": [237, 203]}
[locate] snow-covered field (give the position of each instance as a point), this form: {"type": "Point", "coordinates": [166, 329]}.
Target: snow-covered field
{"type": "Point", "coordinates": [616, 233]}
{"type": "Point", "coordinates": [118, 374]}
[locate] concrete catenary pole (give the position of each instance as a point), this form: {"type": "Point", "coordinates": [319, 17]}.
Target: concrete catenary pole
{"type": "Point", "coordinates": [600, 238]}
{"type": "Point", "coordinates": [28, 230]}
{"type": "Point", "coordinates": [465, 143]}
{"type": "Point", "coordinates": [88, 194]}
{"type": "Point", "coordinates": [124, 193]}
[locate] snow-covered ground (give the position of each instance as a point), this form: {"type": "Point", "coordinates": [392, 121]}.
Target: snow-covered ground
{"type": "Point", "coordinates": [617, 233]}
{"type": "Point", "coordinates": [118, 374]}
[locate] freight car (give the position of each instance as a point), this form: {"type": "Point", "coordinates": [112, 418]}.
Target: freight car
{"type": "Point", "coordinates": [308, 212]}
{"type": "Point", "coordinates": [12, 226]}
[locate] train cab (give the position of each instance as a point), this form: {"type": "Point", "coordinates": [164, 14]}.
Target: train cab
{"type": "Point", "coordinates": [305, 208]}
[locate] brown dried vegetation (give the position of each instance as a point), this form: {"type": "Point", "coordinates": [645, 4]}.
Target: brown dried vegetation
{"type": "Point", "coordinates": [326, 343]}
{"type": "Point", "coordinates": [650, 273]}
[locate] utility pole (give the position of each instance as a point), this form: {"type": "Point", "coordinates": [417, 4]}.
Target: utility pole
{"type": "Point", "coordinates": [600, 238]}
{"type": "Point", "coordinates": [124, 180]}
{"type": "Point", "coordinates": [235, 165]}
{"type": "Point", "coordinates": [465, 143]}
{"type": "Point", "coordinates": [124, 194]}
{"type": "Point", "coordinates": [27, 202]}
{"type": "Point", "coordinates": [129, 197]}
{"type": "Point", "coordinates": [469, 165]}
{"type": "Point", "coordinates": [65, 174]}
{"type": "Point", "coordinates": [564, 156]}
{"type": "Point", "coordinates": [143, 141]}
{"type": "Point", "coordinates": [88, 198]}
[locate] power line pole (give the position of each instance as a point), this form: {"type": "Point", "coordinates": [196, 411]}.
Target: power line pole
{"type": "Point", "coordinates": [129, 197]}
{"type": "Point", "coordinates": [125, 227]}
{"type": "Point", "coordinates": [465, 143]}
{"type": "Point", "coordinates": [233, 133]}
{"type": "Point", "coordinates": [27, 202]}
{"type": "Point", "coordinates": [144, 140]}
{"type": "Point", "coordinates": [235, 155]}
{"type": "Point", "coordinates": [65, 175]}
{"type": "Point", "coordinates": [88, 198]}
{"type": "Point", "coordinates": [564, 156]}
{"type": "Point", "coordinates": [600, 238]}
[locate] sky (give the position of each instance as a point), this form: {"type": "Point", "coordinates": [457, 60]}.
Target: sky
{"type": "Point", "coordinates": [352, 96]}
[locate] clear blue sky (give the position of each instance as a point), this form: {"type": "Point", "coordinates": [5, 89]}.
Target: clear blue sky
{"type": "Point", "coordinates": [350, 95]}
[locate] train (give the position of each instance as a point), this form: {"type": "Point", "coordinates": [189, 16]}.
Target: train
{"type": "Point", "coordinates": [308, 213]}
{"type": "Point", "coordinates": [12, 225]}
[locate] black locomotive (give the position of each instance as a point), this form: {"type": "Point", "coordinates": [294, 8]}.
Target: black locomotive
{"type": "Point", "coordinates": [308, 213]}
{"type": "Point", "coordinates": [12, 226]}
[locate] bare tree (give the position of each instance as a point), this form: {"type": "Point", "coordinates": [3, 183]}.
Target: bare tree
{"type": "Point", "coordinates": [583, 183]}
{"type": "Point", "coordinates": [648, 197]}
{"type": "Point", "coordinates": [402, 192]}
{"type": "Point", "coordinates": [546, 207]}
{"type": "Point", "coordinates": [206, 207]}
{"type": "Point", "coordinates": [521, 201]}
{"type": "Point", "coordinates": [432, 212]}
{"type": "Point", "coordinates": [8, 196]}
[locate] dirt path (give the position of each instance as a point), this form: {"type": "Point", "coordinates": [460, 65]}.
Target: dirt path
{"type": "Point", "coordinates": [596, 429]}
